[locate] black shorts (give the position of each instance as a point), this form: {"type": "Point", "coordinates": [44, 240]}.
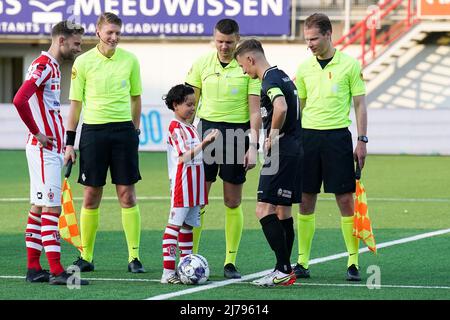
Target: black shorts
{"type": "Point", "coordinates": [225, 156]}
{"type": "Point", "coordinates": [281, 185]}
{"type": "Point", "coordinates": [329, 158]}
{"type": "Point", "coordinates": [110, 145]}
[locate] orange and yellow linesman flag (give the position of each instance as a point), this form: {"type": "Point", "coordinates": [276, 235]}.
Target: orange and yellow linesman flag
{"type": "Point", "coordinates": [68, 226]}
{"type": "Point", "coordinates": [362, 227]}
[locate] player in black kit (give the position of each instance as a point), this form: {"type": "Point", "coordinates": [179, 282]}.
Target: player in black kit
{"type": "Point", "coordinates": [280, 179]}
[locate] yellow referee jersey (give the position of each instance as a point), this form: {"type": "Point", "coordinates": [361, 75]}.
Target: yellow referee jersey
{"type": "Point", "coordinates": [329, 91]}
{"type": "Point", "coordinates": [224, 91]}
{"type": "Point", "coordinates": [105, 85]}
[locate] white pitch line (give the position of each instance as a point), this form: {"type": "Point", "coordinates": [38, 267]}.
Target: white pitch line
{"type": "Point", "coordinates": [95, 279]}
{"type": "Point", "coordinates": [165, 198]}
{"type": "Point", "coordinates": [395, 286]}
{"type": "Point", "coordinates": [12, 277]}
{"type": "Point", "coordinates": [313, 261]}
{"type": "Point", "coordinates": [123, 279]}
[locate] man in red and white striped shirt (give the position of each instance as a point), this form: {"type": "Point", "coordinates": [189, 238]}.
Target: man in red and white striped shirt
{"type": "Point", "coordinates": [187, 179]}
{"type": "Point", "coordinates": [38, 104]}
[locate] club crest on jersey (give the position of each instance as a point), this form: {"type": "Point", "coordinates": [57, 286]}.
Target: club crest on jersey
{"type": "Point", "coordinates": [50, 195]}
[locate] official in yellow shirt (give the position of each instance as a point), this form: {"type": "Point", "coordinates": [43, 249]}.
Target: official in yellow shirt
{"type": "Point", "coordinates": [327, 84]}
{"type": "Point", "coordinates": [227, 100]}
{"type": "Point", "coordinates": [106, 85]}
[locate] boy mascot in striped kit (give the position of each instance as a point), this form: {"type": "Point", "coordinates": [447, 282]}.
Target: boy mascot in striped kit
{"type": "Point", "coordinates": [187, 178]}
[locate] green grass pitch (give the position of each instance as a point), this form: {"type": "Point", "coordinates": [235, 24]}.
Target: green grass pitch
{"type": "Point", "coordinates": [407, 196]}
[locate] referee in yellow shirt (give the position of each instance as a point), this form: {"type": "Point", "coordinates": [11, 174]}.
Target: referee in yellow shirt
{"type": "Point", "coordinates": [106, 85]}
{"type": "Point", "coordinates": [227, 100]}
{"type": "Point", "coordinates": [327, 83]}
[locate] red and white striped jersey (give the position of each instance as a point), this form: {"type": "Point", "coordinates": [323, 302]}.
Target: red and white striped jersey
{"type": "Point", "coordinates": [187, 180]}
{"type": "Point", "coordinates": [44, 72]}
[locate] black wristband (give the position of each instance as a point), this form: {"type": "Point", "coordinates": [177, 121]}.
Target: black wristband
{"type": "Point", "coordinates": [70, 138]}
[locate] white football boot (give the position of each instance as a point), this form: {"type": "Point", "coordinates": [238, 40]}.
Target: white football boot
{"type": "Point", "coordinates": [276, 278]}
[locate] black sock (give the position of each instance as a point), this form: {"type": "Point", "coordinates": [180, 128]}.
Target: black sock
{"type": "Point", "coordinates": [275, 235]}
{"type": "Point", "coordinates": [288, 226]}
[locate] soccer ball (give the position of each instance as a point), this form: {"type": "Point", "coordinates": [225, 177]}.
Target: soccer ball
{"type": "Point", "coordinates": [193, 269]}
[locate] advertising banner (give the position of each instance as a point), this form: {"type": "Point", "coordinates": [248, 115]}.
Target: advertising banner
{"type": "Point", "coordinates": [434, 9]}
{"type": "Point", "coordinates": [148, 17]}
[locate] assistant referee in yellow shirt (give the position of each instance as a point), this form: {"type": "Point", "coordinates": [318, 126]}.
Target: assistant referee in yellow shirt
{"type": "Point", "coordinates": [106, 85]}
{"type": "Point", "coordinates": [327, 83]}
{"type": "Point", "coordinates": [229, 102]}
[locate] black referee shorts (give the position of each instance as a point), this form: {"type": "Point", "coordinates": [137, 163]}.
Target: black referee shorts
{"type": "Point", "coordinates": [328, 158]}
{"type": "Point", "coordinates": [228, 161]}
{"type": "Point", "coordinates": [111, 145]}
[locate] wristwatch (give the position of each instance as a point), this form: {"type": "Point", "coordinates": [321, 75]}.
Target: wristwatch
{"type": "Point", "coordinates": [363, 139]}
{"type": "Point", "coordinates": [138, 131]}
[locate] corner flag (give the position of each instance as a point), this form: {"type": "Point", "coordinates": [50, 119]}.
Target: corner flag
{"type": "Point", "coordinates": [362, 227]}
{"type": "Point", "coordinates": [68, 226]}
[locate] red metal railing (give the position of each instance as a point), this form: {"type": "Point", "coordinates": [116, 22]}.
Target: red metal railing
{"type": "Point", "coordinates": [372, 38]}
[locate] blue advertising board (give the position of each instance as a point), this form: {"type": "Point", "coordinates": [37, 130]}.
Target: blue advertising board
{"type": "Point", "coordinates": [148, 17]}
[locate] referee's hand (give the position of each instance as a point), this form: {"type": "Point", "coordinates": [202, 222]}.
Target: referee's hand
{"type": "Point", "coordinates": [250, 158]}
{"type": "Point", "coordinates": [360, 153]}
{"type": "Point", "coordinates": [70, 154]}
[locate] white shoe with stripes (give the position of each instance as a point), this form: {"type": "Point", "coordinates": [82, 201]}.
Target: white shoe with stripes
{"type": "Point", "coordinates": [170, 277]}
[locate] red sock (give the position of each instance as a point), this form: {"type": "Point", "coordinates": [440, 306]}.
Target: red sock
{"type": "Point", "coordinates": [50, 240]}
{"type": "Point", "coordinates": [33, 241]}
{"type": "Point", "coordinates": [169, 246]}
{"type": "Point", "coordinates": [185, 238]}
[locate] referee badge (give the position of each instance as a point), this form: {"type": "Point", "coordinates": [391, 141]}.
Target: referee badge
{"type": "Point", "coordinates": [74, 73]}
